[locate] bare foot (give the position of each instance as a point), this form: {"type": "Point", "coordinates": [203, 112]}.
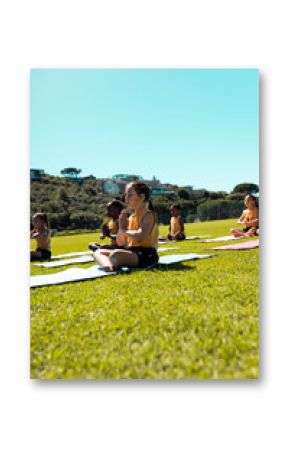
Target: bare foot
{"type": "Point", "coordinates": [94, 246]}
{"type": "Point", "coordinates": [109, 267]}
{"type": "Point", "coordinates": [237, 233]}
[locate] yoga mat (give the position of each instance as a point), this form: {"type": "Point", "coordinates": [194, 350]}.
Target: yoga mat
{"type": "Point", "coordinates": [196, 237]}
{"type": "Point", "coordinates": [176, 258]}
{"type": "Point", "coordinates": [80, 274]}
{"type": "Point", "coordinates": [62, 256]}
{"type": "Point", "coordinates": [245, 245]}
{"type": "Point", "coordinates": [83, 259]}
{"type": "Point", "coordinates": [225, 238]}
{"type": "Point", "coordinates": [190, 237]}
{"type": "Point", "coordinates": [63, 263]}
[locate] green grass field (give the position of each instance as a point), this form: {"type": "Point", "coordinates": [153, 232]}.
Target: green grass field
{"type": "Point", "coordinates": [198, 319]}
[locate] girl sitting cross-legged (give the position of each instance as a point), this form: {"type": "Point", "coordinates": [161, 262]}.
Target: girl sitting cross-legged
{"type": "Point", "coordinates": [249, 219]}
{"type": "Point", "coordinates": [42, 235]}
{"type": "Point", "coordinates": [138, 233]}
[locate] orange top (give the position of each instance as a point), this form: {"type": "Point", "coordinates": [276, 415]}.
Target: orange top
{"type": "Point", "coordinates": [175, 225]}
{"type": "Point", "coordinates": [151, 240]}
{"type": "Point", "coordinates": [113, 226]}
{"type": "Point", "coordinates": [249, 215]}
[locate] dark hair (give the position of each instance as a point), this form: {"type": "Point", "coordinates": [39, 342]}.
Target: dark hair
{"type": "Point", "coordinates": [41, 216]}
{"type": "Point", "coordinates": [117, 204]}
{"type": "Point", "coordinates": [142, 188]}
{"type": "Point", "coordinates": [175, 206]}
{"type": "Point", "coordinates": [150, 205]}
{"type": "Point", "coordinates": [250, 195]}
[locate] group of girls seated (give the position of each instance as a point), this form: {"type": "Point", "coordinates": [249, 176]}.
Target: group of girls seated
{"type": "Point", "coordinates": [134, 238]}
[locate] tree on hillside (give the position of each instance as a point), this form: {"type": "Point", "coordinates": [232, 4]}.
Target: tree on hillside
{"type": "Point", "coordinates": [236, 196]}
{"type": "Point", "coordinates": [71, 171]}
{"type": "Point", "coordinates": [63, 199]}
{"type": "Point", "coordinates": [183, 194]}
{"type": "Point", "coordinates": [217, 195]}
{"type": "Point", "coordinates": [245, 188]}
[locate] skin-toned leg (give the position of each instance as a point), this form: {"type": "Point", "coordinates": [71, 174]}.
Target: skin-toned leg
{"type": "Point", "coordinates": [237, 232]}
{"type": "Point", "coordinates": [112, 260]}
{"type": "Point", "coordinates": [103, 259]}
{"type": "Point", "coordinates": [105, 252]}
{"type": "Point", "coordinates": [251, 232]}
{"type": "Point", "coordinates": [120, 258]}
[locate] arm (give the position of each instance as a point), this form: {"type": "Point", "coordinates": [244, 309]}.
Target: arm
{"type": "Point", "coordinates": [255, 220]}
{"type": "Point", "coordinates": [141, 233]}
{"type": "Point", "coordinates": [114, 235]}
{"type": "Point", "coordinates": [105, 231]}
{"type": "Point", "coordinates": [241, 220]}
{"type": "Point", "coordinates": [35, 233]}
{"type": "Point", "coordinates": [181, 222]}
{"type": "Point", "coordinates": [121, 238]}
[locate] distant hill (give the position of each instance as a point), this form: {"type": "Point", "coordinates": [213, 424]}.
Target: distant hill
{"type": "Point", "coordinates": [71, 204]}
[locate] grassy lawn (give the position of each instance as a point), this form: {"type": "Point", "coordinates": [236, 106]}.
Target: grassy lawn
{"type": "Point", "coordinates": [197, 320]}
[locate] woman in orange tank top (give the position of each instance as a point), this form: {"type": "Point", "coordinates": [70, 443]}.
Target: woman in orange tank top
{"type": "Point", "coordinates": [138, 233]}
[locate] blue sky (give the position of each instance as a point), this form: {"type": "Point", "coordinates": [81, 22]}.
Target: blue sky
{"type": "Point", "coordinates": [196, 127]}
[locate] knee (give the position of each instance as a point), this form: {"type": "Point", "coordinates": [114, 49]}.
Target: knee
{"type": "Point", "coordinates": [115, 257]}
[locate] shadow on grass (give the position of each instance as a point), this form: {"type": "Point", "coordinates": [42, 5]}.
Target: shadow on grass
{"type": "Point", "coordinates": [173, 267]}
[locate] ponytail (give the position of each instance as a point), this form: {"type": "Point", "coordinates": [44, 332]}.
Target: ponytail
{"type": "Point", "coordinates": [150, 206]}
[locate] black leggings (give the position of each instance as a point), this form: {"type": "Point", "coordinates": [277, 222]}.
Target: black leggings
{"type": "Point", "coordinates": [146, 256]}
{"type": "Point", "coordinates": [40, 254]}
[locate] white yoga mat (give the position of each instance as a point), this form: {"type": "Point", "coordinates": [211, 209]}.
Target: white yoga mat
{"type": "Point", "coordinates": [225, 238]}
{"type": "Point", "coordinates": [190, 237]}
{"type": "Point", "coordinates": [83, 259]}
{"type": "Point", "coordinates": [176, 258]}
{"type": "Point", "coordinates": [80, 274]}
{"type": "Point", "coordinates": [62, 256]}
{"type": "Point", "coordinates": [63, 263]}
{"type": "Point", "coordinates": [84, 253]}
{"type": "Point", "coordinates": [196, 237]}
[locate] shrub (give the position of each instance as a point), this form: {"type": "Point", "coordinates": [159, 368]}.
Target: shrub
{"type": "Point", "coordinates": [236, 196]}
{"type": "Point", "coordinates": [53, 207]}
{"type": "Point", "coordinates": [84, 220]}
{"type": "Point", "coordinates": [245, 188]}
{"type": "Point", "coordinates": [59, 220]}
{"type": "Point", "coordinates": [217, 195]}
{"type": "Point", "coordinates": [190, 218]}
{"type": "Point", "coordinates": [183, 193]}
{"type": "Point", "coordinates": [219, 209]}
